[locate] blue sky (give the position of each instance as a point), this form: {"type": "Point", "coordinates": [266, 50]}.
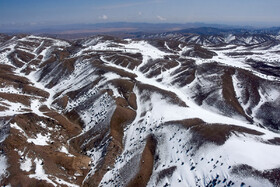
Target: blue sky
{"type": "Point", "coordinates": [51, 12]}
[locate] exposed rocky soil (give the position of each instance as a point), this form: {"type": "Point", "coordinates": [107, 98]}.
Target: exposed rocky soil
{"type": "Point", "coordinates": [104, 111]}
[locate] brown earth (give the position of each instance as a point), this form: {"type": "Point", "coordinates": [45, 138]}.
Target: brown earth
{"type": "Point", "coordinates": [25, 100]}
{"type": "Point", "coordinates": [166, 173]}
{"type": "Point", "coordinates": [272, 175]}
{"type": "Point", "coordinates": [121, 117]}
{"type": "Point", "coordinates": [53, 160]}
{"type": "Point", "coordinates": [169, 96]}
{"type": "Point", "coordinates": [275, 141]}
{"type": "Point", "coordinates": [126, 60]}
{"type": "Point", "coordinates": [24, 56]}
{"type": "Point", "coordinates": [229, 93]}
{"type": "Point", "coordinates": [71, 128]}
{"type": "Point", "coordinates": [212, 133]}
{"type": "Point", "coordinates": [251, 85]}
{"type": "Point", "coordinates": [146, 165]}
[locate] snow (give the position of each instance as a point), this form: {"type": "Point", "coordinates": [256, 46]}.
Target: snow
{"type": "Point", "coordinates": [148, 51]}
{"type": "Point", "coordinates": [35, 105]}
{"type": "Point", "coordinates": [17, 108]}
{"type": "Point", "coordinates": [10, 89]}
{"type": "Point", "coordinates": [212, 160]}
{"type": "Point", "coordinates": [3, 166]}
{"type": "Point", "coordinates": [81, 76]}
{"type": "Point", "coordinates": [273, 95]}
{"type": "Point", "coordinates": [193, 110]}
{"type": "Point", "coordinates": [97, 113]}
{"type": "Point", "coordinates": [65, 150]}
{"type": "Point", "coordinates": [60, 181]}
{"type": "Point", "coordinates": [40, 139]}
{"type": "Point", "coordinates": [238, 92]}
{"type": "Point", "coordinates": [26, 165]}
{"type": "Point", "coordinates": [4, 131]}
{"type": "Point", "coordinates": [4, 55]}
{"type": "Point", "coordinates": [115, 91]}
{"type": "Point", "coordinates": [161, 110]}
{"type": "Point", "coordinates": [223, 58]}
{"type": "Point", "coordinates": [25, 50]}
{"type": "Point", "coordinates": [145, 49]}
{"type": "Point", "coordinates": [40, 172]}
{"type": "Point", "coordinates": [56, 42]}
{"type": "Point", "coordinates": [240, 62]}
{"type": "Point", "coordinates": [270, 58]}
{"type": "Point", "coordinates": [167, 110]}
{"type": "Point", "coordinates": [166, 45]}
{"type": "Point", "coordinates": [13, 108]}
{"type": "Point", "coordinates": [42, 124]}
{"type": "Point", "coordinates": [199, 167]}
{"type": "Point", "coordinates": [244, 150]}
{"type": "Point", "coordinates": [152, 113]}
{"type": "Point", "coordinates": [184, 50]}
{"type": "Point", "coordinates": [194, 38]}
{"type": "Point", "coordinates": [15, 126]}
{"type": "Point", "coordinates": [25, 162]}
{"type": "Point", "coordinates": [44, 53]}
{"type": "Point", "coordinates": [230, 38]}
{"type": "Point", "coordinates": [95, 154]}
{"type": "Point", "coordinates": [35, 102]}
{"type": "Point", "coordinates": [171, 154]}
{"type": "Point", "coordinates": [91, 42]}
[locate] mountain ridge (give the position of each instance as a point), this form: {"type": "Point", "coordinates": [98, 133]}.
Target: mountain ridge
{"type": "Point", "coordinates": [103, 111]}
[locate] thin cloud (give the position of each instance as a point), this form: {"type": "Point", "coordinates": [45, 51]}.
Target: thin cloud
{"type": "Point", "coordinates": [161, 18]}
{"type": "Point", "coordinates": [104, 17]}
{"type": "Point", "coordinates": [125, 5]}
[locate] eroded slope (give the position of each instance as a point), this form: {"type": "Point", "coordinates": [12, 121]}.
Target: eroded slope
{"type": "Point", "coordinates": [104, 111]}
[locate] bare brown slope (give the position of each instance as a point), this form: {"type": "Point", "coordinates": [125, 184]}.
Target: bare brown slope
{"type": "Point", "coordinates": [52, 160]}
{"type": "Point", "coordinates": [273, 175]}
{"type": "Point", "coordinates": [229, 93]}
{"type": "Point", "coordinates": [121, 117]}
{"type": "Point", "coordinates": [146, 165]}
{"type": "Point", "coordinates": [211, 133]}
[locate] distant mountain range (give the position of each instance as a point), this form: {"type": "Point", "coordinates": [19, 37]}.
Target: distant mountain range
{"type": "Point", "coordinates": [120, 28]}
{"type": "Point", "coordinates": [147, 27]}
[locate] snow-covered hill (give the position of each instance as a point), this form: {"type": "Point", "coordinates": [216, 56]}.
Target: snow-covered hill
{"type": "Point", "coordinates": [104, 111]}
{"type": "Point", "coordinates": [219, 38]}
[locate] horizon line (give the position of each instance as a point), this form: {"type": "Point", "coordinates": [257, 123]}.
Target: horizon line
{"type": "Point", "coordinates": [78, 26]}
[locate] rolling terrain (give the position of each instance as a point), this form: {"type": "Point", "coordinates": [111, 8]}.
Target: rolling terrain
{"type": "Point", "coordinates": [165, 110]}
